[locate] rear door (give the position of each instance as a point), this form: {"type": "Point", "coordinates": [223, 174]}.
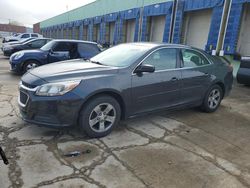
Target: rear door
{"type": "Point", "coordinates": [196, 76]}
{"type": "Point", "coordinates": [160, 89]}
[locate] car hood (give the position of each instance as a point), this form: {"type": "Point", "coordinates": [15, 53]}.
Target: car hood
{"type": "Point", "coordinates": [37, 51]}
{"type": "Point", "coordinates": [72, 70]}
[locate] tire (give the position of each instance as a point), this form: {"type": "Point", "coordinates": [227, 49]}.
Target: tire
{"type": "Point", "coordinates": [96, 120]}
{"type": "Point", "coordinates": [30, 64]}
{"type": "Point", "coordinates": [212, 99]}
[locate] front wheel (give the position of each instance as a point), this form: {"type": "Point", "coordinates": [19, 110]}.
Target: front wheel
{"type": "Point", "coordinates": [212, 99]}
{"type": "Point", "coordinates": [99, 117]}
{"type": "Point", "coordinates": [30, 65]}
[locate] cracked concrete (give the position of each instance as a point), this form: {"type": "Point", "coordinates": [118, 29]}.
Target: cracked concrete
{"type": "Point", "coordinates": [185, 148]}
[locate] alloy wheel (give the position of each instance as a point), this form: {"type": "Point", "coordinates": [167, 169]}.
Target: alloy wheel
{"type": "Point", "coordinates": [214, 98]}
{"type": "Point", "coordinates": [31, 66]}
{"type": "Point", "coordinates": [102, 117]}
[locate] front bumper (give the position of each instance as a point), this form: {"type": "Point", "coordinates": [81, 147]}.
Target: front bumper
{"type": "Point", "coordinates": [54, 112]}
{"type": "Point", "coordinates": [15, 66]}
{"type": "Point", "coordinates": [7, 53]}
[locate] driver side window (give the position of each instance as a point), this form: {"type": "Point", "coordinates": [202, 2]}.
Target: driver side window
{"type": "Point", "coordinates": [162, 59]}
{"type": "Point", "coordinates": [62, 47]}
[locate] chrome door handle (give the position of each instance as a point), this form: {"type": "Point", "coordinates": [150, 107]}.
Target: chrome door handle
{"type": "Point", "coordinates": [174, 79]}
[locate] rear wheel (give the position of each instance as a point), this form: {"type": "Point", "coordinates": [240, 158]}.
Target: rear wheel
{"type": "Point", "coordinates": [212, 99]}
{"type": "Point", "coordinates": [31, 64]}
{"type": "Point", "coordinates": [100, 115]}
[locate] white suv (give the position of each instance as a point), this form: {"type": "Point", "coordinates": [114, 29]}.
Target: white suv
{"type": "Point", "coordinates": [21, 37]}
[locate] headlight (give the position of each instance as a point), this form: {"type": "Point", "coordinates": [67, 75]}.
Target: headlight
{"type": "Point", "coordinates": [55, 89]}
{"type": "Point", "coordinates": [18, 55]}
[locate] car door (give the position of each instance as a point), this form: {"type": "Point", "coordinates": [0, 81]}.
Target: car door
{"type": "Point", "coordinates": [161, 88]}
{"type": "Point", "coordinates": [59, 52]}
{"type": "Point", "coordinates": [195, 76]}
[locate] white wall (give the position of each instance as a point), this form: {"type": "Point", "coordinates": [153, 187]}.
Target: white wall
{"type": "Point", "coordinates": [243, 46]}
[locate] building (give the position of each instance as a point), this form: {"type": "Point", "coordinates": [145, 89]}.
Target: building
{"type": "Point", "coordinates": [7, 29]}
{"type": "Point", "coordinates": [36, 28]}
{"type": "Point", "coordinates": [220, 26]}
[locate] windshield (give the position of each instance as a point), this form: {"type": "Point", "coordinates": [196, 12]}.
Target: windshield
{"type": "Point", "coordinates": [25, 41]}
{"type": "Point", "coordinates": [48, 46]}
{"type": "Point", "coordinates": [121, 56]}
{"type": "Point", "coordinates": [15, 35]}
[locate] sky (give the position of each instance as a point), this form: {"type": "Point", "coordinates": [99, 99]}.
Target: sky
{"type": "Point", "coordinates": [28, 12]}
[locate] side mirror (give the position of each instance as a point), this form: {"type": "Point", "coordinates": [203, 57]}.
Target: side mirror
{"type": "Point", "coordinates": [145, 68]}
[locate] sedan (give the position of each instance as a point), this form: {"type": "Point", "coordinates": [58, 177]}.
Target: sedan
{"type": "Point", "coordinates": [32, 44]}
{"type": "Point", "coordinates": [122, 82]}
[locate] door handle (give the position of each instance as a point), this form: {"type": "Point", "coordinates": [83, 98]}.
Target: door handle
{"type": "Point", "coordinates": [174, 79]}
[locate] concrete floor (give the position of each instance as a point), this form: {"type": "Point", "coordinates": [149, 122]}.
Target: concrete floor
{"type": "Point", "coordinates": [182, 149]}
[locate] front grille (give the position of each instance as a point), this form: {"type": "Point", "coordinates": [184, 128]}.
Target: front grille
{"type": "Point", "coordinates": [28, 85]}
{"type": "Point", "coordinates": [23, 98]}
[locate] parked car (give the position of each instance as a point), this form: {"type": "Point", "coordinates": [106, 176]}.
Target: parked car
{"type": "Point", "coordinates": [20, 37]}
{"type": "Point", "coordinates": [54, 51]}
{"type": "Point", "coordinates": [32, 44]}
{"type": "Point", "coordinates": [15, 42]}
{"type": "Point", "coordinates": [243, 75]}
{"type": "Point", "coordinates": [121, 82]}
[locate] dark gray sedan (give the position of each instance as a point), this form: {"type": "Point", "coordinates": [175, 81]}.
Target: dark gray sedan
{"type": "Point", "coordinates": [121, 82]}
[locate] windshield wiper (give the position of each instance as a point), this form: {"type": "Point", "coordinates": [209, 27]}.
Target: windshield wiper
{"type": "Point", "coordinates": [96, 62]}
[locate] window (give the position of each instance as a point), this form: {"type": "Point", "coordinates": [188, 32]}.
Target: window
{"type": "Point", "coordinates": [24, 36]}
{"type": "Point", "coordinates": [37, 43]}
{"type": "Point", "coordinates": [163, 59]}
{"type": "Point", "coordinates": [192, 58]}
{"type": "Point", "coordinates": [62, 47]}
{"type": "Point", "coordinates": [34, 35]}
{"type": "Point", "coordinates": [87, 50]}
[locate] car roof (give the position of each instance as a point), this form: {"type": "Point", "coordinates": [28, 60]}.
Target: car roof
{"type": "Point", "coordinates": [34, 39]}
{"type": "Point", "coordinates": [157, 45]}
{"type": "Point", "coordinates": [72, 40]}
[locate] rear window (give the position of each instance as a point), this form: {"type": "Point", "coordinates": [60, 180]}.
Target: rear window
{"type": "Point", "coordinates": [87, 50]}
{"type": "Point", "coordinates": [34, 35]}
{"type": "Point", "coordinates": [220, 59]}
{"type": "Point", "coordinates": [24, 36]}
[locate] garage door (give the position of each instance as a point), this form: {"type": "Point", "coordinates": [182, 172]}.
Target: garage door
{"type": "Point", "coordinates": [94, 33]}
{"type": "Point", "coordinates": [111, 32]}
{"type": "Point", "coordinates": [98, 32]}
{"type": "Point", "coordinates": [157, 28]}
{"type": "Point", "coordinates": [130, 30]}
{"type": "Point", "coordinates": [85, 32]}
{"type": "Point", "coordinates": [244, 39]}
{"type": "Point", "coordinates": [196, 28]}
